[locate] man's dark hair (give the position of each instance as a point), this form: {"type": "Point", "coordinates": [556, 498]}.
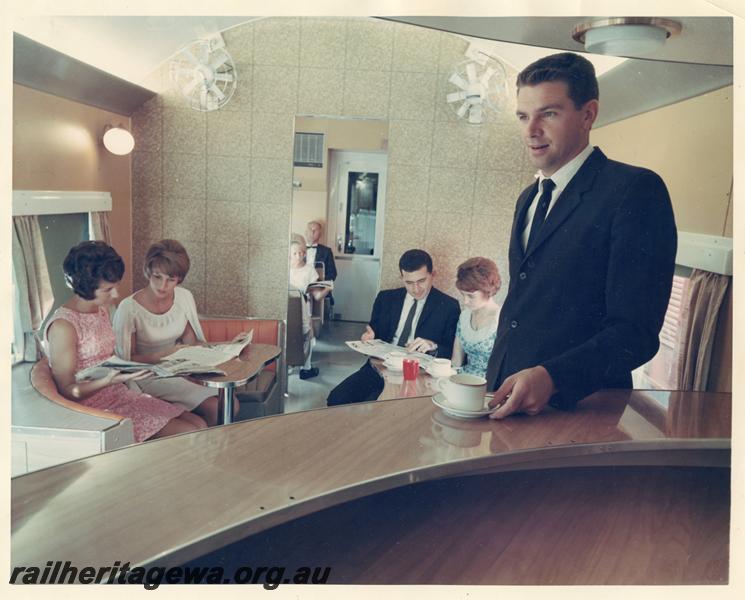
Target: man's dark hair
{"type": "Point", "coordinates": [575, 70]}
{"type": "Point", "coordinates": [89, 263]}
{"type": "Point", "coordinates": [413, 260]}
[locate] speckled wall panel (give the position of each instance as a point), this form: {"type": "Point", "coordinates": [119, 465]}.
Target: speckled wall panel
{"type": "Point", "coordinates": [221, 181]}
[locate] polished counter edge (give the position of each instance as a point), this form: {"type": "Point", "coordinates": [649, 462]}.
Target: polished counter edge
{"type": "Point", "coordinates": [560, 451]}
{"type": "Point", "coordinates": [714, 453]}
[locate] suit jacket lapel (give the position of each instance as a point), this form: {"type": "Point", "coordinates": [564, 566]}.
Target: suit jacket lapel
{"type": "Point", "coordinates": [518, 224]}
{"type": "Point", "coordinates": [570, 197]}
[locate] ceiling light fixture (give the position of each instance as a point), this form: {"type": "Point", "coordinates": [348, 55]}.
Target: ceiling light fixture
{"type": "Point", "coordinates": [625, 36]}
{"type": "Point", "coordinates": [118, 140]}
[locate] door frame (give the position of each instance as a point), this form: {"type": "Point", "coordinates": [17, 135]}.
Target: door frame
{"type": "Point", "coordinates": [375, 161]}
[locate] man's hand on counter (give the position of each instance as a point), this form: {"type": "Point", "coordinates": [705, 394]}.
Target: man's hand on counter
{"type": "Point", "coordinates": [527, 391]}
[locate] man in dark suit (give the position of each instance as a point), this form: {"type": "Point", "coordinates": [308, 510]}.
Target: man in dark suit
{"type": "Point", "coordinates": [317, 252]}
{"type": "Point", "coordinates": [589, 282]}
{"type": "Point", "coordinates": [417, 316]}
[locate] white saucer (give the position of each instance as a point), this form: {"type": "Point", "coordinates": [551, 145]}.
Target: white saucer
{"type": "Point", "coordinates": [441, 401]}
{"type": "Point", "coordinates": [452, 372]}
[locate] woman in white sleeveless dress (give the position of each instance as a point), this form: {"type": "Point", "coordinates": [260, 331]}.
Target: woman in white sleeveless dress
{"type": "Point", "coordinates": [158, 320]}
{"type": "Point", "coordinates": [301, 276]}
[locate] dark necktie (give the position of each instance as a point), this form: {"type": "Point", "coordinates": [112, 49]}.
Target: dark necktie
{"type": "Point", "coordinates": [406, 331]}
{"type": "Point", "coordinates": [540, 212]}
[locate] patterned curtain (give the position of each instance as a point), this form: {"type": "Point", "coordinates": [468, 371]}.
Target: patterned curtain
{"type": "Point", "coordinates": [700, 314]}
{"type": "Point", "coordinates": [100, 227]}
{"type": "Point", "coordinates": [32, 277]}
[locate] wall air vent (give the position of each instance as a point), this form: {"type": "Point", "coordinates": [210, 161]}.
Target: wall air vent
{"type": "Point", "coordinates": [309, 150]}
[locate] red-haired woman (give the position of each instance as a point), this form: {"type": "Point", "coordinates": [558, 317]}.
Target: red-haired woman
{"type": "Point", "coordinates": [478, 281]}
{"type": "Point", "coordinates": [158, 320]}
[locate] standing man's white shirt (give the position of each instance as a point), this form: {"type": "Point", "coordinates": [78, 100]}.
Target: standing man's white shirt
{"type": "Point", "coordinates": [561, 179]}
{"type": "Point", "coordinates": [408, 300]}
{"type": "Point", "coordinates": [310, 257]}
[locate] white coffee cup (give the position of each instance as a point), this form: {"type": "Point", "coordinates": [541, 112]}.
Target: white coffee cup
{"type": "Point", "coordinates": [463, 391]}
{"type": "Point", "coordinates": [440, 366]}
{"type": "Point", "coordinates": [396, 359]}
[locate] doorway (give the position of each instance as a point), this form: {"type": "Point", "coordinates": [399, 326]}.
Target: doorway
{"type": "Point", "coordinates": [356, 212]}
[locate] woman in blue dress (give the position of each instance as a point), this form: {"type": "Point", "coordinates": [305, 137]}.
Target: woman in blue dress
{"type": "Point", "coordinates": [478, 281]}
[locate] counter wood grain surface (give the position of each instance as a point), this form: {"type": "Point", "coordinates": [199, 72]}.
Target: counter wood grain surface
{"type": "Point", "coordinates": [132, 505]}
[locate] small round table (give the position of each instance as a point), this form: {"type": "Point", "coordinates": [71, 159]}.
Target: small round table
{"type": "Point", "coordinates": [238, 371]}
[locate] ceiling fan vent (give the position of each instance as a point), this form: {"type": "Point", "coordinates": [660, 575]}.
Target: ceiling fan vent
{"type": "Point", "coordinates": [480, 87]}
{"type": "Point", "coordinates": [203, 72]}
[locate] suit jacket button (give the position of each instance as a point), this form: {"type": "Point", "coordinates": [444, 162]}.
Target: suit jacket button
{"type": "Point", "coordinates": [523, 275]}
{"type": "Point", "coordinates": [513, 324]}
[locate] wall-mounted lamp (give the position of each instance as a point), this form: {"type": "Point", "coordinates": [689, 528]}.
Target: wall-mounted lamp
{"type": "Point", "coordinates": [118, 140]}
{"type": "Point", "coordinates": [625, 36]}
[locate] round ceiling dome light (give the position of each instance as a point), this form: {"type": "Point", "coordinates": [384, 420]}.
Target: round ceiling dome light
{"type": "Point", "coordinates": [118, 140]}
{"type": "Point", "coordinates": [625, 36]}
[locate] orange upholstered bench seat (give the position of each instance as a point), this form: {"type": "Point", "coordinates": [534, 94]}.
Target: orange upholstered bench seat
{"type": "Point", "coordinates": [265, 394]}
{"type": "Point", "coordinates": [43, 382]}
{"type": "Point", "coordinates": [265, 331]}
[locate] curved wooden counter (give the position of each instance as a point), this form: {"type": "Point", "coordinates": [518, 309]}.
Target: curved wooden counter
{"type": "Point", "coordinates": [168, 501]}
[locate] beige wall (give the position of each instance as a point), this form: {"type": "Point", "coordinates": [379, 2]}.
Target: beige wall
{"type": "Point", "coordinates": [340, 134]}
{"type": "Point", "coordinates": [728, 222]}
{"type": "Point", "coordinates": [306, 207]}
{"type": "Point", "coordinates": [690, 145]}
{"type": "Point", "coordinates": [310, 202]}
{"type": "Point", "coordinates": [56, 146]}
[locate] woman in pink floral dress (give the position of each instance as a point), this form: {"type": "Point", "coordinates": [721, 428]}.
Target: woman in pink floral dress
{"type": "Point", "coordinates": [79, 335]}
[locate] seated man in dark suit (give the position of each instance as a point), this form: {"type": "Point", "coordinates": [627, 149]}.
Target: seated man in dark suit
{"type": "Point", "coordinates": [317, 252]}
{"type": "Point", "coordinates": [417, 316]}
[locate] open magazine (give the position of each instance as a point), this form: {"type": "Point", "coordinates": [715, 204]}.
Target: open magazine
{"type": "Point", "coordinates": [186, 361]}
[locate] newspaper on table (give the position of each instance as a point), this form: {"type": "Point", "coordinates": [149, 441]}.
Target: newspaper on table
{"type": "Point", "coordinates": [380, 349]}
{"type": "Point", "coordinates": [192, 360]}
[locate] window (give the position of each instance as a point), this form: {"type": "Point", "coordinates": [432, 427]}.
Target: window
{"type": "Point", "coordinates": [64, 222]}
{"type": "Point", "coordinates": [362, 212]}
{"type": "Point", "coordinates": [60, 233]}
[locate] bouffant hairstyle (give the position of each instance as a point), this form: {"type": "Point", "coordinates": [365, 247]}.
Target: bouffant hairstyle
{"type": "Point", "coordinates": [574, 70]}
{"type": "Point", "coordinates": [169, 257]}
{"type": "Point", "coordinates": [478, 274]}
{"type": "Point", "coordinates": [297, 240]}
{"type": "Point", "coordinates": [413, 260]}
{"type": "Point", "coordinates": [88, 264]}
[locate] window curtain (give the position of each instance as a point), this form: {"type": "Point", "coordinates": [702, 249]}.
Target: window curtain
{"type": "Point", "coordinates": [100, 227]}
{"type": "Point", "coordinates": [34, 287]}
{"type": "Point", "coordinates": [700, 315]}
